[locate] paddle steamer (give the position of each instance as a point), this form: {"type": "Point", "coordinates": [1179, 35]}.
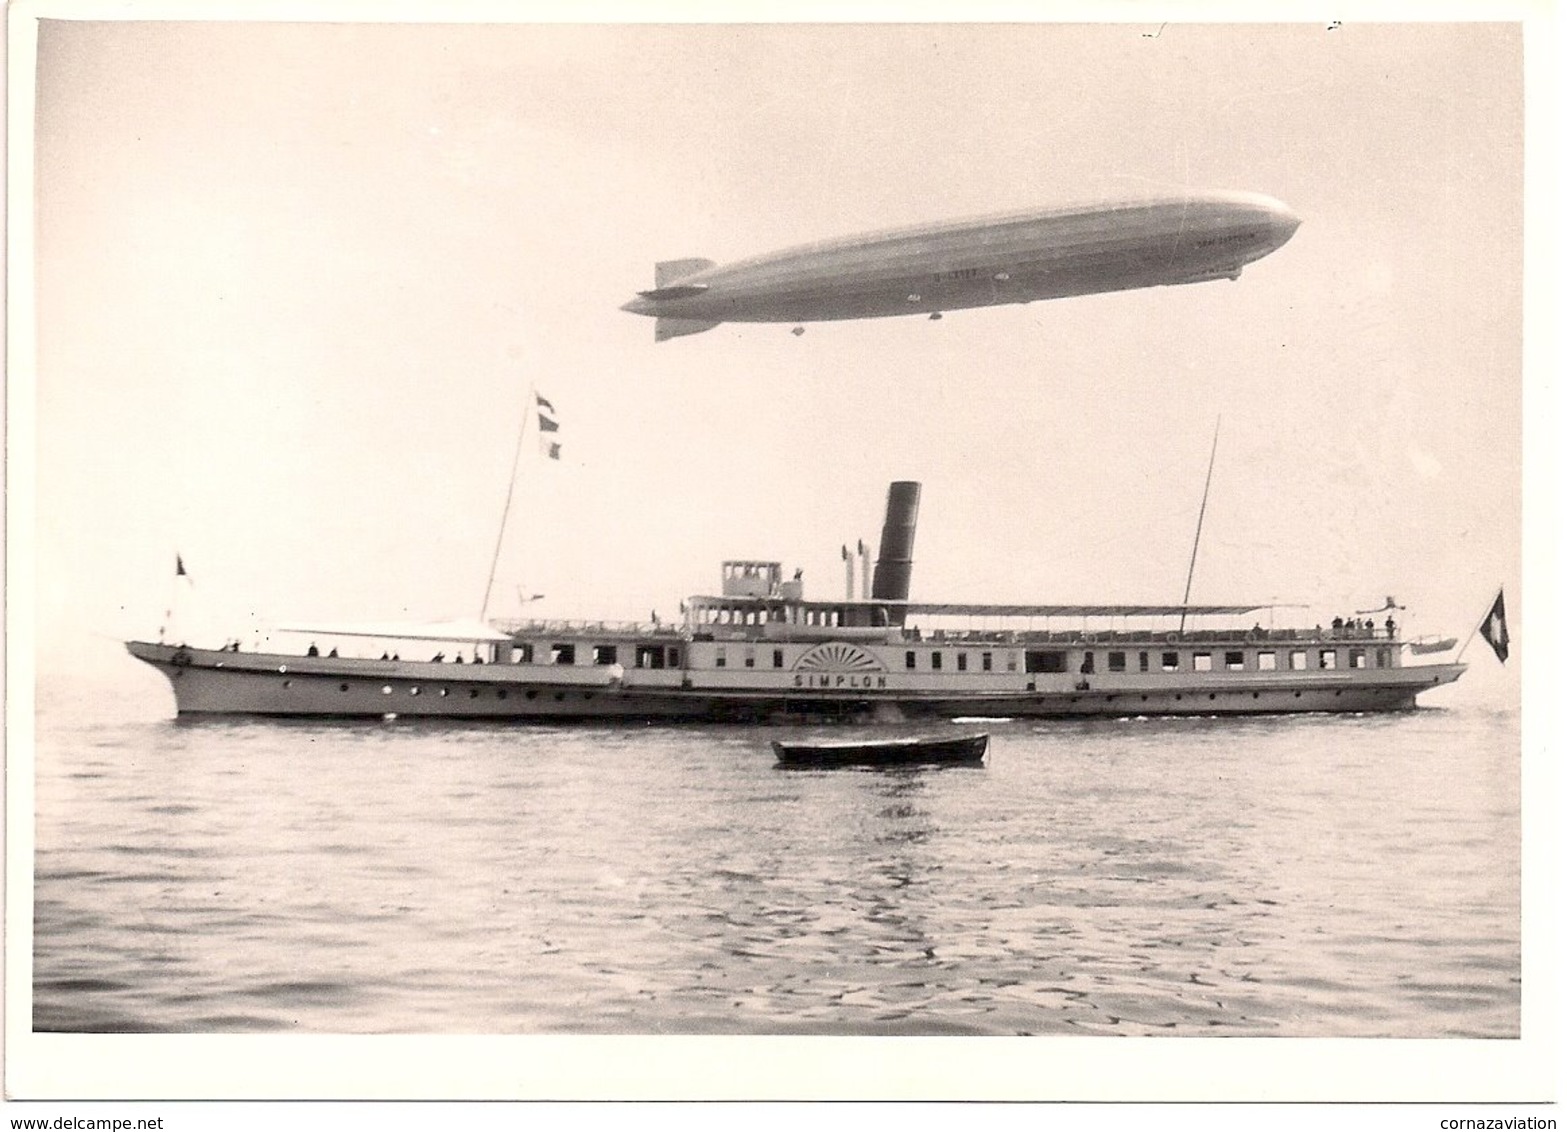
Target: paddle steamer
{"type": "Point", "coordinates": [759, 650]}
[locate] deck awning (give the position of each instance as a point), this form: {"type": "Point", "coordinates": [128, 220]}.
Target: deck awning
{"type": "Point", "coordinates": [965, 609]}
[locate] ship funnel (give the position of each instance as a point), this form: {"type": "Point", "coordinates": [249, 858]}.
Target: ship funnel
{"type": "Point", "coordinates": [895, 563]}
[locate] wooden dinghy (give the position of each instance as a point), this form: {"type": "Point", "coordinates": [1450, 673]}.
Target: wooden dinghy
{"type": "Point", "coordinates": [944, 750]}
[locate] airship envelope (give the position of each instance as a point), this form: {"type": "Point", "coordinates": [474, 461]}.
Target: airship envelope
{"type": "Point", "coordinates": [1015, 258]}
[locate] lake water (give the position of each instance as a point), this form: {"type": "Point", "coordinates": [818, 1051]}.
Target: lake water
{"type": "Point", "coordinates": [1293, 876]}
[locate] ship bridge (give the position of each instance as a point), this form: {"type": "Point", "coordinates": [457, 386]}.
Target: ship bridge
{"type": "Point", "coordinates": [744, 577]}
{"type": "Point", "coordinates": [756, 601]}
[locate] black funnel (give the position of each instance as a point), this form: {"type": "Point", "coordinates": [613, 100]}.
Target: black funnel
{"type": "Point", "coordinates": [895, 563]}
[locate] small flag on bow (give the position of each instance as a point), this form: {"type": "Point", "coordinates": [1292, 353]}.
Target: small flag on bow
{"type": "Point", "coordinates": [179, 567]}
{"type": "Point", "coordinates": [1494, 628]}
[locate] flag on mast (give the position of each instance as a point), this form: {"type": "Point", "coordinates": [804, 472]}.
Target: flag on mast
{"type": "Point", "coordinates": [547, 424]}
{"type": "Point", "coordinates": [1494, 628]}
{"type": "Point", "coordinates": [176, 589]}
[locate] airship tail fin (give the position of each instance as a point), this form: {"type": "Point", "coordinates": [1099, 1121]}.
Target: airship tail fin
{"type": "Point", "coordinates": [670, 270]}
{"type": "Point", "coordinates": [679, 327]}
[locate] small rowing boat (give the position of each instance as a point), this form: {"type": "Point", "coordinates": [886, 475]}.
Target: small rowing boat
{"type": "Point", "coordinates": [945, 750]}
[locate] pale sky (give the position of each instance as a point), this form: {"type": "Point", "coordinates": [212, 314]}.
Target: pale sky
{"type": "Point", "coordinates": [296, 280]}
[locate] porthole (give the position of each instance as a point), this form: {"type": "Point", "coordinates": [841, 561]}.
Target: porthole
{"type": "Point", "coordinates": [445, 692]}
{"type": "Point", "coordinates": [559, 696]}
{"type": "Point", "coordinates": [1145, 699]}
{"type": "Point", "coordinates": [342, 687]}
{"type": "Point", "coordinates": [1177, 697]}
{"type": "Point", "coordinates": [288, 683]}
{"type": "Point", "coordinates": [1297, 695]}
{"type": "Point", "coordinates": [473, 693]}
{"type": "Point", "coordinates": [1212, 695]}
{"type": "Point", "coordinates": [414, 691]}
{"type": "Point", "coordinates": [282, 668]}
{"type": "Point", "coordinates": [586, 696]}
{"type": "Point", "coordinates": [532, 693]}
{"type": "Point", "coordinates": [501, 695]}
{"type": "Point", "coordinates": [386, 689]}
{"type": "Point", "coordinates": [1254, 695]}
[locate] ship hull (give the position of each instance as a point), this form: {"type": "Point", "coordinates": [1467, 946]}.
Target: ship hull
{"type": "Point", "coordinates": [209, 683]}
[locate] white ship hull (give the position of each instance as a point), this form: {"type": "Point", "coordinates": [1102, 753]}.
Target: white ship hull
{"type": "Point", "coordinates": [760, 651]}
{"type": "Point", "coordinates": [212, 682]}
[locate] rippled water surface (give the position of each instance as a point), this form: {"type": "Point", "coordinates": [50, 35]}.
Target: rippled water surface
{"type": "Point", "coordinates": [1306, 876]}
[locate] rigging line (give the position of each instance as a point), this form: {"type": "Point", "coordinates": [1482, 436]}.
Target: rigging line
{"type": "Point", "coordinates": [1192, 567]}
{"type": "Point", "coordinates": [529, 406]}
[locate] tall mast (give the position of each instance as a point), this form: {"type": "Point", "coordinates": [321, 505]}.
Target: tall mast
{"type": "Point", "coordinates": [530, 406]}
{"type": "Point", "coordinates": [1196, 541]}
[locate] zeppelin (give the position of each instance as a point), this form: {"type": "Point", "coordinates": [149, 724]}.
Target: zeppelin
{"type": "Point", "coordinates": [1017, 258]}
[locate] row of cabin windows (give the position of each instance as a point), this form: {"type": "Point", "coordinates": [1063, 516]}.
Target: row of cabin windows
{"type": "Point", "coordinates": [987, 661]}
{"type": "Point", "coordinates": [1231, 660]}
{"type": "Point", "coordinates": [721, 658]}
{"type": "Point", "coordinates": [646, 656]}
{"type": "Point", "coordinates": [910, 659]}
{"type": "Point", "coordinates": [724, 615]}
{"type": "Point", "coordinates": [1034, 660]}
{"type": "Point", "coordinates": [1051, 660]}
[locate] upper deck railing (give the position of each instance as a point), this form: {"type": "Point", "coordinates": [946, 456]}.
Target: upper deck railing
{"type": "Point", "coordinates": [564, 628]}
{"type": "Point", "coordinates": [1148, 636]}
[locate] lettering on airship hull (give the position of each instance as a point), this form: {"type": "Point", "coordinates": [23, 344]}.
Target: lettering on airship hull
{"type": "Point", "coordinates": [1219, 241]}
